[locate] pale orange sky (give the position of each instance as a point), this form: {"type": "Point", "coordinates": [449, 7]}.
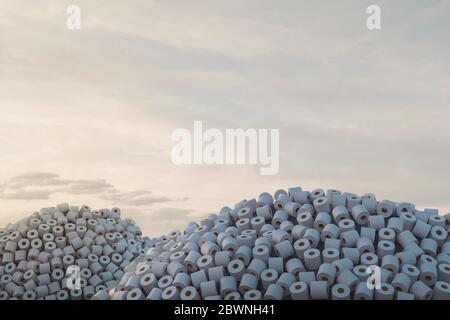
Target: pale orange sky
{"type": "Point", "coordinates": [86, 116]}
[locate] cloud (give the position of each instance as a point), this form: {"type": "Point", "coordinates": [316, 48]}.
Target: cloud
{"type": "Point", "coordinates": [26, 195]}
{"type": "Point", "coordinates": [88, 186]}
{"type": "Point", "coordinates": [137, 198]}
{"type": "Point", "coordinates": [35, 179]}
{"type": "Point", "coordinates": [26, 187]}
{"type": "Point", "coordinates": [48, 179]}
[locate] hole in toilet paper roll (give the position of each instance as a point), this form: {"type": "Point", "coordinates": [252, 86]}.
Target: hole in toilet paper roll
{"type": "Point", "coordinates": [327, 236]}
{"type": "Point", "coordinates": [165, 281]}
{"type": "Point", "coordinates": [369, 258]}
{"type": "Point", "coordinates": [320, 226]}
{"type": "Point", "coordinates": [428, 278]}
{"type": "Point", "coordinates": [362, 270]}
{"type": "Point", "coordinates": [410, 269]}
{"type": "Point", "coordinates": [386, 245]}
{"type": "Point", "coordinates": [444, 286]}
{"type": "Point", "coordinates": [320, 200]}
{"type": "Point", "coordinates": [188, 293]}
{"type": "Point", "coordinates": [398, 288]}
{"type": "Point", "coordinates": [260, 249]}
{"type": "Point", "coordinates": [303, 216]}
{"type": "Point", "coordinates": [269, 274]}
{"type": "Point", "coordinates": [298, 287]}
{"type": "Point", "coordinates": [340, 290]}
{"type": "Point", "coordinates": [363, 217]}
{"type": "Point", "coordinates": [438, 232]}
{"type": "Point", "coordinates": [330, 252]}
{"type": "Point", "coordinates": [384, 210]}
{"type": "Point", "coordinates": [390, 269]}
{"type": "Point", "coordinates": [235, 266]}
{"type": "Point", "coordinates": [311, 253]}
{"type": "Point", "coordinates": [366, 251]}
{"type": "Point", "coordinates": [252, 295]}
{"type": "Point", "coordinates": [384, 288]}
{"type": "Point", "coordinates": [404, 210]}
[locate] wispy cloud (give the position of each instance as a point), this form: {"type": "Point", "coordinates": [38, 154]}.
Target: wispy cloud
{"type": "Point", "coordinates": [42, 185]}
{"type": "Point", "coordinates": [137, 198]}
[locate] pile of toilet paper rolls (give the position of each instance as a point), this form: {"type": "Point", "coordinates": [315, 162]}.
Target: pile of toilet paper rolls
{"type": "Point", "coordinates": [297, 245]}
{"type": "Point", "coordinates": [67, 252]}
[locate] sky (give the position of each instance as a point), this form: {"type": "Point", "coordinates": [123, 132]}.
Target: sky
{"type": "Point", "coordinates": [86, 115]}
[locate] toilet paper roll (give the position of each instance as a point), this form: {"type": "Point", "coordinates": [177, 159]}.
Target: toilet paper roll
{"type": "Point", "coordinates": [148, 282]}
{"type": "Point", "coordinates": [346, 277]}
{"type": "Point", "coordinates": [340, 292]}
{"type": "Point", "coordinates": [441, 291]}
{"type": "Point", "coordinates": [274, 292]}
{"type": "Point", "coordinates": [232, 296]}
{"type": "Point", "coordinates": [385, 292]}
{"type": "Point", "coordinates": [170, 293]}
{"type": "Point", "coordinates": [421, 291]}
{"type": "Point", "coordinates": [299, 291]}
{"type": "Point", "coordinates": [330, 254]}
{"type": "Point", "coordinates": [268, 277]}
{"type": "Point", "coordinates": [155, 294]}
{"type": "Point", "coordinates": [319, 290]}
{"type": "Point", "coordinates": [363, 292]}
{"type": "Point", "coordinates": [189, 293]}
{"type": "Point", "coordinates": [135, 294]}
{"type": "Point", "coordinates": [312, 259]}
{"type": "Point", "coordinates": [228, 284]}
{"type": "Point", "coordinates": [253, 295]}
